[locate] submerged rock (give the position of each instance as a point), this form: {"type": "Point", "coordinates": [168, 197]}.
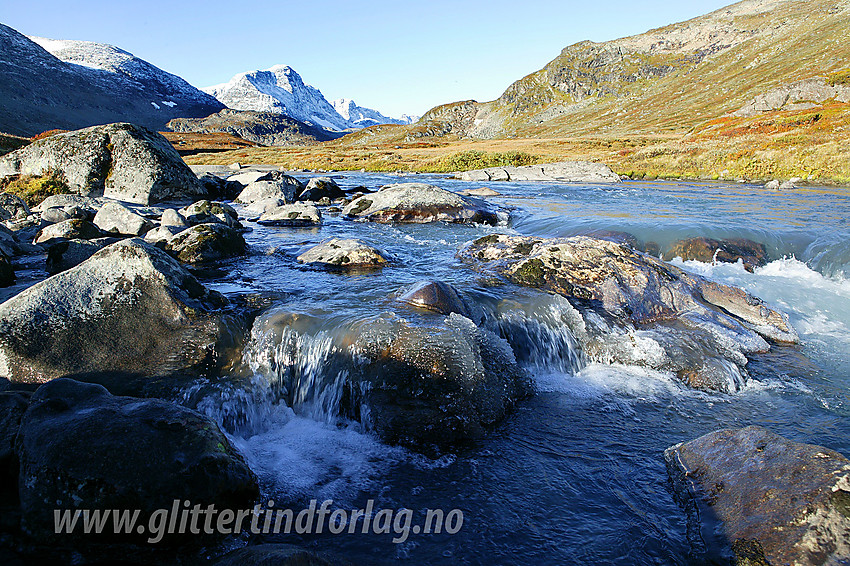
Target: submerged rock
{"type": "Point", "coordinates": [779, 501]}
{"type": "Point", "coordinates": [437, 385]}
{"type": "Point", "coordinates": [206, 243]}
{"type": "Point", "coordinates": [481, 192]}
{"type": "Point", "coordinates": [700, 330]}
{"type": "Point", "coordinates": [419, 203]}
{"type": "Point", "coordinates": [73, 450]}
{"type": "Point", "coordinates": [128, 312]}
{"type": "Point", "coordinates": [339, 253]}
{"type": "Point", "coordinates": [563, 171]}
{"type": "Point", "coordinates": [119, 161]}
{"type": "Point", "coordinates": [436, 296]}
{"type": "Point", "coordinates": [752, 254]}
{"type": "Point", "coordinates": [299, 214]}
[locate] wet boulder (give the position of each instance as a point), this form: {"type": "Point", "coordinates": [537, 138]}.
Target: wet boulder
{"type": "Point", "coordinates": [319, 188]}
{"type": "Point", "coordinates": [338, 253]}
{"type": "Point", "coordinates": [74, 229]}
{"type": "Point", "coordinates": [271, 185]}
{"type": "Point", "coordinates": [419, 203]}
{"type": "Point", "coordinates": [128, 313]}
{"type": "Point", "coordinates": [437, 385]}
{"type": "Point", "coordinates": [436, 296]}
{"type": "Point", "coordinates": [118, 161]}
{"type": "Point", "coordinates": [700, 330]}
{"type": "Point", "coordinates": [73, 450]}
{"type": "Point", "coordinates": [205, 212]}
{"type": "Point", "coordinates": [115, 218]}
{"type": "Point", "coordinates": [751, 254]}
{"type": "Point", "coordinates": [778, 501]}
{"type": "Point", "coordinates": [299, 214]}
{"type": "Point", "coordinates": [206, 243]}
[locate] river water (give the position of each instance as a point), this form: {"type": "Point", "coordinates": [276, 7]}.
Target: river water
{"type": "Point", "coordinates": [576, 473]}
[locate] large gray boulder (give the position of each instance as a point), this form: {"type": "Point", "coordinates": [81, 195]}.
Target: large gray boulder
{"type": "Point", "coordinates": [74, 229]}
{"type": "Point", "coordinates": [130, 309]}
{"type": "Point", "coordinates": [702, 330]}
{"type": "Point", "coordinates": [338, 253]}
{"type": "Point", "coordinates": [419, 203]}
{"type": "Point", "coordinates": [205, 212]}
{"type": "Point", "coordinates": [319, 188]}
{"type": "Point", "coordinates": [115, 218]}
{"type": "Point", "coordinates": [779, 501]}
{"type": "Point", "coordinates": [562, 171]}
{"type": "Point", "coordinates": [82, 448]}
{"type": "Point", "coordinates": [271, 185]}
{"type": "Point", "coordinates": [119, 161]}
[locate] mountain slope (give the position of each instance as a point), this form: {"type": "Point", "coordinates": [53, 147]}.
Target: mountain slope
{"type": "Point", "coordinates": [265, 128]}
{"type": "Point", "coordinates": [39, 91]}
{"type": "Point", "coordinates": [666, 80]}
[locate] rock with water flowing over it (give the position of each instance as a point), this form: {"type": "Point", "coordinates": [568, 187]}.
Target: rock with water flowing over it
{"type": "Point", "coordinates": [82, 448]}
{"type": "Point", "coordinates": [118, 161]}
{"type": "Point", "coordinates": [700, 330]}
{"type": "Point", "coordinates": [115, 218]}
{"type": "Point", "coordinates": [437, 385]}
{"type": "Point", "coordinates": [298, 214]}
{"type": "Point", "coordinates": [419, 203]}
{"type": "Point", "coordinates": [74, 229]}
{"type": "Point", "coordinates": [205, 243]}
{"type": "Point", "coordinates": [778, 501]}
{"type": "Point", "coordinates": [436, 296]}
{"type": "Point", "coordinates": [751, 254]}
{"type": "Point", "coordinates": [128, 314]}
{"type": "Point", "coordinates": [205, 212]}
{"type": "Point", "coordinates": [563, 171]}
{"type": "Point", "coordinates": [338, 253]}
{"type": "Point", "coordinates": [321, 187]}
{"type": "Point", "coordinates": [271, 185]}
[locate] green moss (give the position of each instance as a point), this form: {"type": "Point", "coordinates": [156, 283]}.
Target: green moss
{"type": "Point", "coordinates": [362, 204]}
{"type": "Point", "coordinates": [524, 249]}
{"type": "Point", "coordinates": [34, 189]}
{"type": "Point", "coordinates": [473, 159]}
{"type": "Point", "coordinates": [841, 502]}
{"type": "Point", "coordinates": [839, 78]}
{"type": "Point", "coordinates": [491, 239]}
{"type": "Point", "coordinates": [531, 273]}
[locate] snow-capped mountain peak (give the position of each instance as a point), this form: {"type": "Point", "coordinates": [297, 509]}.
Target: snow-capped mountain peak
{"type": "Point", "coordinates": [281, 89]}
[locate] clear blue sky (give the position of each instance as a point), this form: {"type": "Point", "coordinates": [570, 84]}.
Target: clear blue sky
{"type": "Point", "coordinates": [398, 56]}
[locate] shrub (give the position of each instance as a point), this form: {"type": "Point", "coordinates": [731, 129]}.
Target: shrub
{"type": "Point", "coordinates": [34, 188]}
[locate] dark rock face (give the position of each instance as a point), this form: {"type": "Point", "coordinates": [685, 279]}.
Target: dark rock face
{"type": "Point", "coordinates": [7, 272]}
{"type": "Point", "coordinates": [703, 330]}
{"type": "Point", "coordinates": [266, 128]}
{"type": "Point", "coordinates": [206, 243]}
{"type": "Point", "coordinates": [129, 310]}
{"type": "Point", "coordinates": [73, 450]}
{"type": "Point", "coordinates": [438, 385]}
{"type": "Point", "coordinates": [707, 250]}
{"type": "Point", "coordinates": [780, 502]}
{"type": "Point", "coordinates": [436, 296]}
{"type": "Point", "coordinates": [218, 188]}
{"type": "Point", "coordinates": [321, 187]}
{"type": "Point", "coordinates": [65, 255]}
{"type": "Point", "coordinates": [118, 161]}
{"type": "Point", "coordinates": [71, 96]}
{"type": "Point", "coordinates": [419, 203]}
{"type": "Point", "coordinates": [13, 207]}
{"type": "Point", "coordinates": [13, 404]}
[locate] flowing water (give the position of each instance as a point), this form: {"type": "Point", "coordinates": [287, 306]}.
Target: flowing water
{"type": "Point", "coordinates": [576, 473]}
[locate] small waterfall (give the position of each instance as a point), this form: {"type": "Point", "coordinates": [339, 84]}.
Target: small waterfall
{"type": "Point", "coordinates": [539, 332]}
